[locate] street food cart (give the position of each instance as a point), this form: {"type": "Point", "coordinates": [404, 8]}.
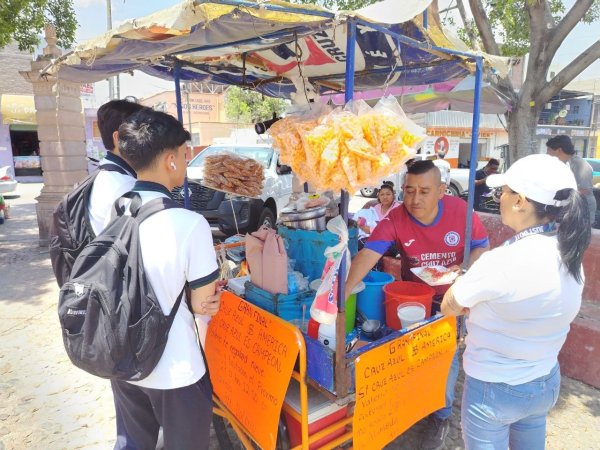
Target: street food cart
{"type": "Point", "coordinates": [299, 52]}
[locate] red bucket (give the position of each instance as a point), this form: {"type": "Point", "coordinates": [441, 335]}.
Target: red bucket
{"type": "Point", "coordinates": [399, 292]}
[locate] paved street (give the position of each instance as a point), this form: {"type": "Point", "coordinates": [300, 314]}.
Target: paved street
{"type": "Point", "coordinates": [46, 403]}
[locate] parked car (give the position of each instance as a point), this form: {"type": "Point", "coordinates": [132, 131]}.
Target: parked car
{"type": "Point", "coordinates": [8, 184]}
{"type": "Point", "coordinates": [231, 214]}
{"type": "Point", "coordinates": [595, 163]}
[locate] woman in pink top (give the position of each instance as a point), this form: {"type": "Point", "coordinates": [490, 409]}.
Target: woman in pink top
{"type": "Point", "coordinates": [386, 198]}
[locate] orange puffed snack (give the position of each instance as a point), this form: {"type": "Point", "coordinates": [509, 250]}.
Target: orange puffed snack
{"type": "Point", "coordinates": [347, 150]}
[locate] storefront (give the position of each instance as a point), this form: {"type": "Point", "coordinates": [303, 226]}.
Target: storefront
{"type": "Point", "coordinates": [19, 144]}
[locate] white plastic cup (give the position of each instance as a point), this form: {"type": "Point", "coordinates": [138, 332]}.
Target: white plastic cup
{"type": "Point", "coordinates": [410, 313]}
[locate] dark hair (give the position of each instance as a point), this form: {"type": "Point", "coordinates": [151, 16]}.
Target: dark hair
{"type": "Point", "coordinates": [387, 185]}
{"type": "Point", "coordinates": [423, 166]}
{"type": "Point", "coordinates": [563, 142]}
{"type": "Point", "coordinates": [147, 134]}
{"type": "Point", "coordinates": [110, 117]}
{"type": "Point", "coordinates": [493, 162]}
{"type": "Point", "coordinates": [574, 231]}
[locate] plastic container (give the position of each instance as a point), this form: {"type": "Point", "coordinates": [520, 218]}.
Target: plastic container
{"type": "Point", "coordinates": [400, 292]}
{"type": "Point", "coordinates": [286, 306]}
{"type": "Point", "coordinates": [327, 335]}
{"type": "Point", "coordinates": [410, 313]}
{"type": "Point", "coordinates": [237, 285]}
{"type": "Point", "coordinates": [308, 248]}
{"type": "Point", "coordinates": [350, 303]}
{"type": "Point", "coordinates": [371, 300]}
{"type": "Point", "coordinates": [321, 413]}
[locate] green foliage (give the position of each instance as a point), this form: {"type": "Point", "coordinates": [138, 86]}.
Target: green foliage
{"type": "Point", "coordinates": [247, 106]}
{"type": "Point", "coordinates": [338, 4]}
{"type": "Point", "coordinates": [23, 21]}
{"type": "Point", "coordinates": [510, 22]}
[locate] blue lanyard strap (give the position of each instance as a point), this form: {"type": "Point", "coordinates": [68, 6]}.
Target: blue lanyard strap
{"type": "Point", "coordinates": [538, 229]}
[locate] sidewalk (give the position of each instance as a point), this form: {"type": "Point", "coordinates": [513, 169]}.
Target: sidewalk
{"type": "Point", "coordinates": [46, 403]}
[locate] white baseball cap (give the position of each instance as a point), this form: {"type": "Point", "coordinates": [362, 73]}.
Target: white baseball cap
{"type": "Point", "coordinates": [537, 177]}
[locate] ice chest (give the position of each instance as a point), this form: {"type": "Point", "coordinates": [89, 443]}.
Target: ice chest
{"type": "Point", "coordinates": [321, 413]}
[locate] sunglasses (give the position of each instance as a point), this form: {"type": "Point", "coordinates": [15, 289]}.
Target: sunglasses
{"type": "Point", "coordinates": [496, 193]}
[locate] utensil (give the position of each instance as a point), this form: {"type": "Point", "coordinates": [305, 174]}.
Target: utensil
{"type": "Point", "coordinates": [308, 219]}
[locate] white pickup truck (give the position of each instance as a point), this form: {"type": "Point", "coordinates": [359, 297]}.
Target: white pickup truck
{"type": "Point", "coordinates": [459, 182]}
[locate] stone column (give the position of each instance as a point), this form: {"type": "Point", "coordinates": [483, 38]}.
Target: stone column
{"type": "Point", "coordinates": [61, 131]}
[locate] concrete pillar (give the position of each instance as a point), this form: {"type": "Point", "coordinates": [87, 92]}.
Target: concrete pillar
{"type": "Point", "coordinates": [61, 131]}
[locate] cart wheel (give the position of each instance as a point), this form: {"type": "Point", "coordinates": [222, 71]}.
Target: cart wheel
{"type": "Point", "coordinates": [225, 442]}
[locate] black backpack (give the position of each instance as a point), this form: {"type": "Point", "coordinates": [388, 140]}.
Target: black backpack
{"type": "Point", "coordinates": [71, 229]}
{"type": "Point", "coordinates": [112, 323]}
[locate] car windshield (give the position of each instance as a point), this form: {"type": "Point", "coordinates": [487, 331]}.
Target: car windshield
{"type": "Point", "coordinates": [261, 154]}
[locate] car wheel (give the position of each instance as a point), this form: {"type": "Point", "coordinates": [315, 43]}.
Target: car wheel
{"type": "Point", "coordinates": [368, 192]}
{"type": "Point", "coordinates": [452, 190]}
{"type": "Point", "coordinates": [266, 218]}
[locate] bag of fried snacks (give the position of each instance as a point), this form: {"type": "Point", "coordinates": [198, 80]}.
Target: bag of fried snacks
{"type": "Point", "coordinates": [234, 174]}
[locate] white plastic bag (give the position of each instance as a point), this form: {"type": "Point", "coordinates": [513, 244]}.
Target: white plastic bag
{"type": "Point", "coordinates": [324, 307]}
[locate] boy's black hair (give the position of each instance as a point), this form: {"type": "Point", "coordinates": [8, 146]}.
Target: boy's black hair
{"type": "Point", "coordinates": [147, 134]}
{"type": "Point", "coordinates": [110, 117]}
{"type": "Point", "coordinates": [561, 141]}
{"type": "Point", "coordinates": [493, 162]}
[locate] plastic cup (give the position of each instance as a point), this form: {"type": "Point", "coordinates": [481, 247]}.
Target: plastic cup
{"type": "Point", "coordinates": [410, 313]}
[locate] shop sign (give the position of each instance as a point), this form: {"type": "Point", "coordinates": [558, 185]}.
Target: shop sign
{"type": "Point", "coordinates": [86, 89]}
{"type": "Point", "coordinates": [251, 355]}
{"type": "Point", "coordinates": [449, 146]}
{"type": "Point", "coordinates": [402, 381]}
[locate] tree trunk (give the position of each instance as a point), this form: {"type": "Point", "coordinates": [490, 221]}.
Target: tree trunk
{"type": "Point", "coordinates": [522, 125]}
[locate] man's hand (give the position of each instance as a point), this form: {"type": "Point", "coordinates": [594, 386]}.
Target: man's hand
{"type": "Point", "coordinates": [211, 305]}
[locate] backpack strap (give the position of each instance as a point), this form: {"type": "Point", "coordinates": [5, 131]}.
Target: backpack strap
{"type": "Point", "coordinates": [152, 207]}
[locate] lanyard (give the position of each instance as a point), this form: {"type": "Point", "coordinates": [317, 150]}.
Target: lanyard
{"type": "Point", "coordinates": [538, 229]}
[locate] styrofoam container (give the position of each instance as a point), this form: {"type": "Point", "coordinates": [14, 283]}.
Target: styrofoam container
{"type": "Point", "coordinates": [236, 285]}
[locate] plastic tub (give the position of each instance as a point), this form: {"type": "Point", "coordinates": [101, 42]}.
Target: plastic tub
{"type": "Point", "coordinates": [350, 303]}
{"type": "Point", "coordinates": [371, 300]}
{"type": "Point", "coordinates": [410, 313]}
{"type": "Point", "coordinates": [400, 292]}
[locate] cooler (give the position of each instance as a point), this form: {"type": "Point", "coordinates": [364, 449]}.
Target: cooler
{"type": "Point", "coordinates": [321, 413]}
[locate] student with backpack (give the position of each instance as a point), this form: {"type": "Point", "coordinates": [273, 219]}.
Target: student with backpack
{"type": "Point", "coordinates": [85, 211]}
{"type": "Point", "coordinates": [176, 246]}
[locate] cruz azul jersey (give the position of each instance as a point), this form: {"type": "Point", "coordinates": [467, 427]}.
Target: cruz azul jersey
{"type": "Point", "coordinates": [442, 243]}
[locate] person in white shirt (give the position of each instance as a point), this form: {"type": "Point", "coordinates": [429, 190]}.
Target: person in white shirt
{"type": "Point", "coordinates": [520, 299]}
{"type": "Point", "coordinates": [177, 247]}
{"type": "Point", "coordinates": [110, 185]}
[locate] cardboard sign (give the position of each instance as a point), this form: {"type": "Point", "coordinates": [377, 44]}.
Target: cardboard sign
{"type": "Point", "coordinates": [251, 355]}
{"type": "Point", "coordinates": [402, 381]}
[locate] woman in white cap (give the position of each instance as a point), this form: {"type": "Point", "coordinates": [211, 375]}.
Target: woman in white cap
{"type": "Point", "coordinates": [520, 299]}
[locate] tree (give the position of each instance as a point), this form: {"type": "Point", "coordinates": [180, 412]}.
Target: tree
{"type": "Point", "coordinates": [246, 106]}
{"type": "Point", "coordinates": [537, 27]}
{"type": "Point", "coordinates": [23, 21]}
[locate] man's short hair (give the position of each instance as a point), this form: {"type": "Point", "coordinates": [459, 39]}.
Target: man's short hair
{"type": "Point", "coordinates": [421, 167]}
{"type": "Point", "coordinates": [146, 134]}
{"type": "Point", "coordinates": [493, 162]}
{"type": "Point", "coordinates": [110, 117]}
{"type": "Point", "coordinates": [563, 142]}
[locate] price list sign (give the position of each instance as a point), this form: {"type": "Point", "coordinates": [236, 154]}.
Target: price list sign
{"type": "Point", "coordinates": [402, 381]}
{"type": "Point", "coordinates": [251, 356]}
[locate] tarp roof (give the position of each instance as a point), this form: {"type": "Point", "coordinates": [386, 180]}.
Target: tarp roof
{"type": "Point", "coordinates": [272, 46]}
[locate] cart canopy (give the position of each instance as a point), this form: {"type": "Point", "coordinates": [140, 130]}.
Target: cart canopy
{"type": "Point", "coordinates": [272, 46]}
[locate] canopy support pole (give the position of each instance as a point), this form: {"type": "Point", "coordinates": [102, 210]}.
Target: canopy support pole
{"type": "Point", "coordinates": [342, 371]}
{"type": "Point", "coordinates": [177, 77]}
{"type": "Point", "coordinates": [474, 157]}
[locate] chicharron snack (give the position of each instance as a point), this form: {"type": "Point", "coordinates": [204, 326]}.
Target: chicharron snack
{"type": "Point", "coordinates": [233, 174]}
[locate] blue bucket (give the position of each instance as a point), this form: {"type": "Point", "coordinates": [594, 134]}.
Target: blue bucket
{"type": "Point", "coordinates": [371, 300]}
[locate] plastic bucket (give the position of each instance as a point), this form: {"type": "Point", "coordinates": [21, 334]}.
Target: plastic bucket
{"type": "Point", "coordinates": [410, 313]}
{"type": "Point", "coordinates": [400, 292]}
{"type": "Point", "coordinates": [371, 300]}
{"type": "Point", "coordinates": [350, 303]}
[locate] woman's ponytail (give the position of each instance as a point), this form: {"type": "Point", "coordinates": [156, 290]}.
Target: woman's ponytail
{"type": "Point", "coordinates": [574, 232]}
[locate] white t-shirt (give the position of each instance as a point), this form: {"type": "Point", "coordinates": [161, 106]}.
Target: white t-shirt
{"type": "Point", "coordinates": [522, 301]}
{"type": "Point", "coordinates": [108, 187]}
{"type": "Point", "coordinates": [176, 246]}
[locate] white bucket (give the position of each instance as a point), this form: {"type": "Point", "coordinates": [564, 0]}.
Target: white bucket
{"type": "Point", "coordinates": [410, 313]}
{"type": "Point", "coordinates": [327, 335]}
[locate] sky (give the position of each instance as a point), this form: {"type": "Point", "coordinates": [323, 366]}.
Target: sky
{"type": "Point", "coordinates": [91, 15]}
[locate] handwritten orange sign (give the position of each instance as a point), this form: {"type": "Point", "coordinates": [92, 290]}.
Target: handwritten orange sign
{"type": "Point", "coordinates": [251, 355]}
{"type": "Point", "coordinates": [402, 381]}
